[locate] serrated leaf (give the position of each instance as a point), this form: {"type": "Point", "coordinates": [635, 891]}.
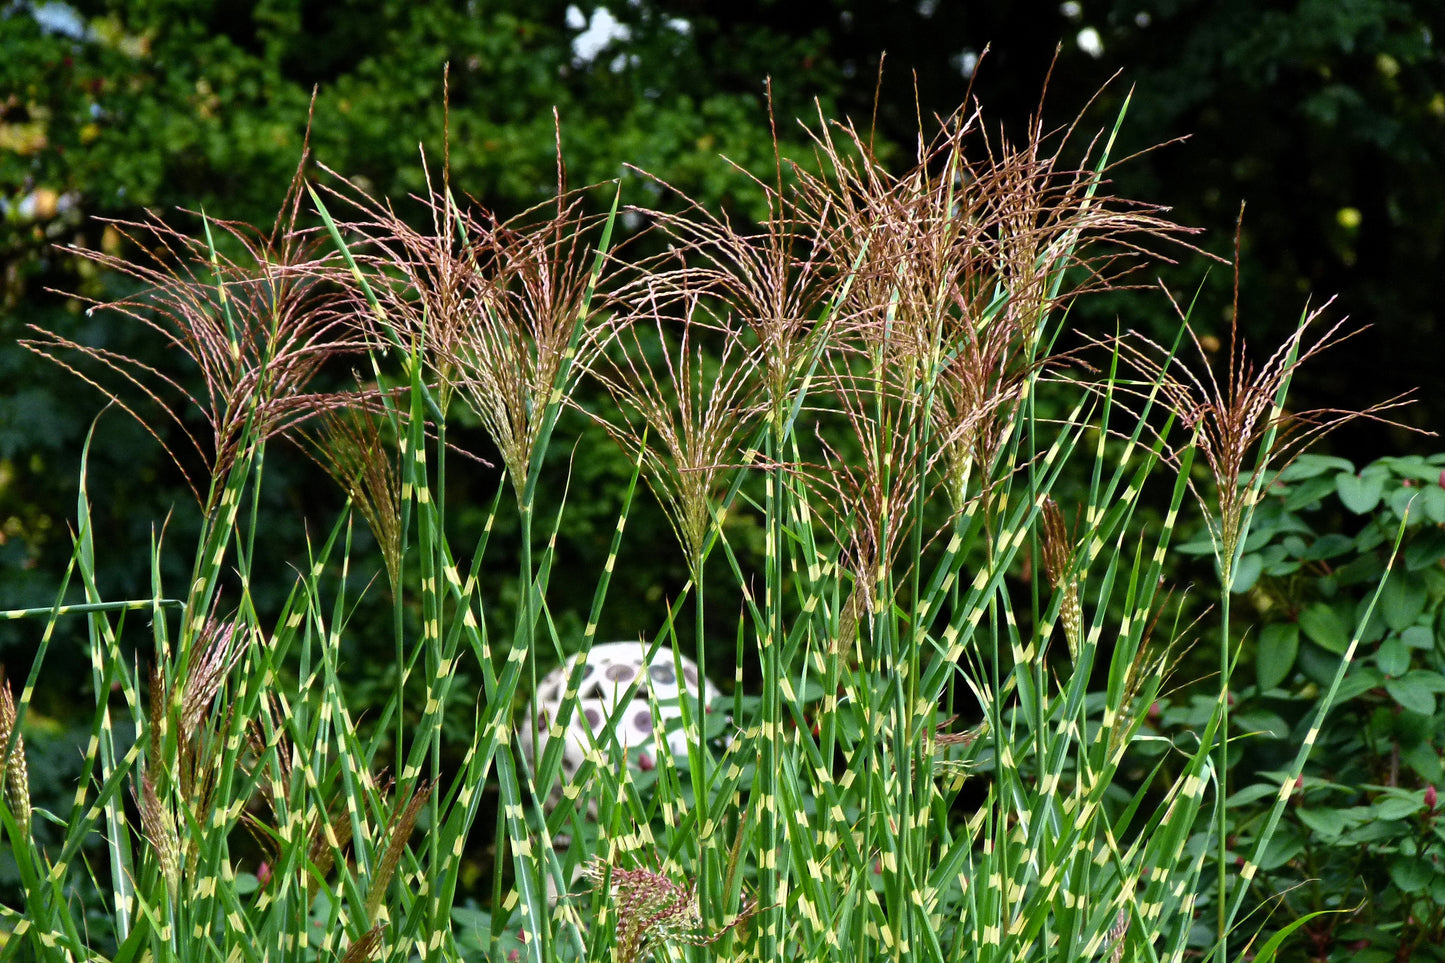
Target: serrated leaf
{"type": "Point", "coordinates": [1360, 494]}
{"type": "Point", "coordinates": [1275, 653]}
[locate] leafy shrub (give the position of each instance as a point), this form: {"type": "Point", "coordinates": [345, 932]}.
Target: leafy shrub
{"type": "Point", "coordinates": [1361, 837]}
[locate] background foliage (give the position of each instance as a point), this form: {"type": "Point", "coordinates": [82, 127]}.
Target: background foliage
{"type": "Point", "coordinates": [1327, 119]}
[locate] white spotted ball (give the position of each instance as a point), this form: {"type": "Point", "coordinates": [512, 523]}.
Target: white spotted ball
{"type": "Point", "coordinates": [608, 672]}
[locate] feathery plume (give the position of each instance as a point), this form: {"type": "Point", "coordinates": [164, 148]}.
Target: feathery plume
{"type": "Point", "coordinates": [256, 327]}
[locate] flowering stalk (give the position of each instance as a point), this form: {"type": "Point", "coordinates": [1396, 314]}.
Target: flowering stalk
{"type": "Point", "coordinates": [1230, 421]}
{"type": "Point", "coordinates": [649, 909]}
{"type": "Point", "coordinates": [13, 772]}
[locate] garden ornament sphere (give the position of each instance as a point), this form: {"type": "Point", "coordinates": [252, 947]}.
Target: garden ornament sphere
{"type": "Point", "coordinates": [607, 673]}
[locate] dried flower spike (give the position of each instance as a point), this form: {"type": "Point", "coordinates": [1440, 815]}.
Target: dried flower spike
{"type": "Point", "coordinates": [13, 773]}
{"type": "Point", "coordinates": [651, 909]}
{"type": "Point", "coordinates": [1058, 556]}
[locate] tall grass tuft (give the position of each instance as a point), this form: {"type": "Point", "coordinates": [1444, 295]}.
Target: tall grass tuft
{"type": "Point", "coordinates": [948, 546]}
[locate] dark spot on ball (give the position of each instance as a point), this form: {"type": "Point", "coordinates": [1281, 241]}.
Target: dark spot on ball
{"type": "Point", "coordinates": [643, 721]}
{"type": "Point", "coordinates": [663, 673]}
{"type": "Point", "coordinates": [620, 673]}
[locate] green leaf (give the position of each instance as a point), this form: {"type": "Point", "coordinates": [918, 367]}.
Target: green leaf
{"type": "Point", "coordinates": [1425, 549]}
{"type": "Point", "coordinates": [1371, 537]}
{"type": "Point", "coordinates": [1431, 680]}
{"type": "Point", "coordinates": [1328, 546]}
{"type": "Point", "coordinates": [1398, 807]}
{"type": "Point", "coordinates": [1404, 501]}
{"type": "Point", "coordinates": [1369, 623]}
{"type": "Point", "coordinates": [1275, 653]}
{"type": "Point", "coordinates": [1328, 823]}
{"type": "Point", "coordinates": [1271, 947]}
{"type": "Point", "coordinates": [1393, 656]}
{"type": "Point", "coordinates": [1367, 570]}
{"type": "Point", "coordinates": [1279, 560]}
{"type": "Point", "coordinates": [1247, 572]}
{"type": "Point", "coordinates": [1407, 466]}
{"type": "Point", "coordinates": [1412, 694]}
{"type": "Point", "coordinates": [1262, 532]}
{"type": "Point", "coordinates": [1374, 954]}
{"type": "Point", "coordinates": [1403, 599]}
{"type": "Point", "coordinates": [1309, 493]}
{"type": "Point", "coordinates": [1418, 637]}
{"type": "Point", "coordinates": [1425, 760]}
{"type": "Point", "coordinates": [1323, 626]}
{"type": "Point", "coordinates": [1360, 494]}
{"type": "Point", "coordinates": [1362, 679]}
{"type": "Point", "coordinates": [1261, 721]}
{"type": "Point", "coordinates": [1251, 794]}
{"type": "Point", "coordinates": [1199, 546]}
{"type": "Point", "coordinates": [1411, 874]}
{"type": "Point", "coordinates": [1434, 504]}
{"type": "Point", "coordinates": [1282, 847]}
{"type": "Point", "coordinates": [1310, 466]}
